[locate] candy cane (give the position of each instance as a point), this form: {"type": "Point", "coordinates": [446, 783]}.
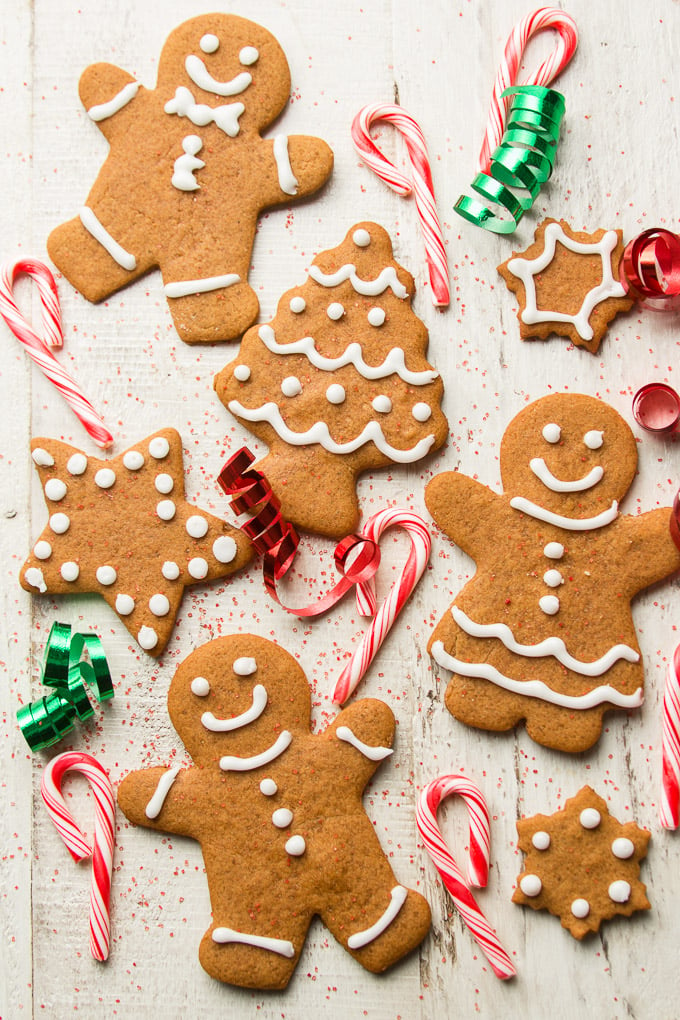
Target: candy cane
{"type": "Point", "coordinates": [544, 17]}
{"type": "Point", "coordinates": [411, 572]}
{"type": "Point", "coordinates": [478, 862]}
{"type": "Point", "coordinates": [422, 186]}
{"type": "Point", "coordinates": [669, 812]}
{"type": "Point", "coordinates": [77, 845]}
{"type": "Point", "coordinates": [38, 346]}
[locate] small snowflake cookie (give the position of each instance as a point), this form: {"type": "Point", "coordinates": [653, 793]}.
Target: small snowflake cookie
{"type": "Point", "coordinates": [582, 864]}
{"type": "Point", "coordinates": [567, 282]}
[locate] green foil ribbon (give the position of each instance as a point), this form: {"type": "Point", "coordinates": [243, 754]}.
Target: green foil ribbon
{"type": "Point", "coordinates": [47, 720]}
{"type": "Point", "coordinates": [523, 161]}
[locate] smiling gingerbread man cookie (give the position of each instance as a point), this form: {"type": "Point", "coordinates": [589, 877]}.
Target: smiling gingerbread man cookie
{"type": "Point", "coordinates": [278, 813]}
{"type": "Point", "coordinates": [544, 630]}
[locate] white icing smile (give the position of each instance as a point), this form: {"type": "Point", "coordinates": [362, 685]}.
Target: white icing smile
{"type": "Point", "coordinates": [545, 475]}
{"type": "Point", "coordinates": [525, 506]}
{"type": "Point", "coordinates": [201, 76]}
{"type": "Point", "coordinates": [258, 706]}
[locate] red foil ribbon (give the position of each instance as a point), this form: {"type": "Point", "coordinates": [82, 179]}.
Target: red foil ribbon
{"type": "Point", "coordinates": [650, 269]}
{"type": "Point", "coordinates": [656, 408]}
{"type": "Point", "coordinates": [675, 520]}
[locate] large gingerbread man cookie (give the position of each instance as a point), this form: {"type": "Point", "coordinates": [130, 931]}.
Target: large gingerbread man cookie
{"type": "Point", "coordinates": [278, 813]}
{"type": "Point", "coordinates": [544, 630]}
{"type": "Point", "coordinates": [188, 174]}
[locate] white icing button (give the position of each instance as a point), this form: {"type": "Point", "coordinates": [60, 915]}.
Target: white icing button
{"type": "Point", "coordinates": [170, 570]}
{"type": "Point", "coordinates": [590, 818]}
{"type": "Point", "coordinates": [361, 238]}
{"type": "Point", "coordinates": [376, 316]}
{"type": "Point", "coordinates": [147, 638]}
{"type": "Point", "coordinates": [297, 304]}
{"type": "Point", "coordinates": [552, 433]}
{"type": "Point", "coordinates": [43, 550]}
{"type": "Point", "coordinates": [619, 891]}
{"type": "Point", "coordinates": [60, 523]}
{"type": "Point", "coordinates": [69, 570]}
{"type": "Point", "coordinates": [133, 460]}
{"type": "Point", "coordinates": [244, 666]}
{"type": "Point", "coordinates": [77, 464]}
{"type": "Point", "coordinates": [268, 787]}
{"type": "Point", "coordinates": [421, 412]}
{"type": "Point", "coordinates": [55, 489]}
{"type": "Point", "coordinates": [200, 687]}
{"type": "Point", "coordinates": [335, 394]}
{"type": "Point", "coordinates": [105, 478]}
{"type": "Point", "coordinates": [197, 527]}
{"type": "Point", "coordinates": [224, 549]}
{"type": "Point", "coordinates": [530, 885]}
{"type": "Point", "coordinates": [541, 839]}
{"type": "Point", "coordinates": [382, 404]}
{"type": "Point", "coordinates": [580, 908]}
{"type": "Point", "coordinates": [549, 604]}
{"type": "Point", "coordinates": [335, 311]}
{"type": "Point", "coordinates": [106, 575]}
{"type": "Point", "coordinates": [198, 568]}
{"type": "Point", "coordinates": [166, 509]}
{"type": "Point", "coordinates": [159, 447]}
{"type": "Point", "coordinates": [295, 846]}
{"type": "Point", "coordinates": [159, 604]}
{"type": "Point", "coordinates": [164, 484]}
{"type": "Point", "coordinates": [42, 458]}
{"type": "Point", "coordinates": [554, 550]}
{"type": "Point", "coordinates": [209, 43]}
{"type": "Point", "coordinates": [291, 386]}
{"type": "Point", "coordinates": [553, 578]}
{"type": "Point", "coordinates": [242, 373]}
{"type": "Point", "coordinates": [282, 818]}
{"type": "Point", "coordinates": [248, 56]}
{"type": "Point", "coordinates": [623, 848]}
{"type": "Point", "coordinates": [594, 439]}
{"type": "Point", "coordinates": [34, 577]}
{"type": "Point", "coordinates": [124, 604]}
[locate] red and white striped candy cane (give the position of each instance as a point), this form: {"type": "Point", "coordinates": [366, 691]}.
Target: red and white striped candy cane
{"type": "Point", "coordinates": [669, 811]}
{"type": "Point", "coordinates": [77, 845]}
{"type": "Point", "coordinates": [544, 17]}
{"type": "Point", "coordinates": [478, 862]}
{"type": "Point", "coordinates": [38, 346]}
{"type": "Point", "coordinates": [421, 185]}
{"type": "Point", "coordinates": [411, 572]}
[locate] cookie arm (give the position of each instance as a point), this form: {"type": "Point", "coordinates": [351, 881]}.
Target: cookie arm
{"type": "Point", "coordinates": [363, 733]}
{"type": "Point", "coordinates": [465, 510]}
{"type": "Point", "coordinates": [648, 552]}
{"type": "Point", "coordinates": [161, 798]}
{"type": "Point", "coordinates": [108, 94]}
{"type": "Point", "coordinates": [298, 166]}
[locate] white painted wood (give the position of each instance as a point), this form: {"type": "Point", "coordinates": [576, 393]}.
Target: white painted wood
{"type": "Point", "coordinates": [616, 166]}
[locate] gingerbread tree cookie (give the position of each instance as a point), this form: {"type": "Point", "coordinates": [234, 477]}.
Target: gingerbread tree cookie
{"type": "Point", "coordinates": [544, 630]}
{"type": "Point", "coordinates": [567, 282]}
{"type": "Point", "coordinates": [122, 528]}
{"type": "Point", "coordinates": [582, 864]}
{"type": "Point", "coordinates": [338, 382]}
{"type": "Point", "coordinates": [278, 814]}
{"type": "Point", "coordinates": [188, 174]}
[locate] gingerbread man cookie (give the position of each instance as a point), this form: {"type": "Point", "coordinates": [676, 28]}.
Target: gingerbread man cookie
{"type": "Point", "coordinates": [188, 174]}
{"type": "Point", "coordinates": [544, 630]}
{"type": "Point", "coordinates": [278, 813]}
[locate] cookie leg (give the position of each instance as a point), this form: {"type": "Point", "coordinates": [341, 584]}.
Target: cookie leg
{"type": "Point", "coordinates": [210, 308]}
{"type": "Point", "coordinates": [91, 259]}
{"type": "Point", "coordinates": [250, 958]}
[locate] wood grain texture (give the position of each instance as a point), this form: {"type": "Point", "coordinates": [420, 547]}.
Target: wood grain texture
{"type": "Point", "coordinates": [616, 167]}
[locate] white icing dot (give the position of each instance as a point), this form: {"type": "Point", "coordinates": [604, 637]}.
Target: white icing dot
{"type": "Point", "coordinates": [594, 439]}
{"type": "Point", "coordinates": [244, 666]}
{"type": "Point", "coordinates": [541, 839]}
{"type": "Point", "coordinates": [197, 527]}
{"type": "Point", "coordinates": [55, 489]}
{"type": "Point", "coordinates": [295, 846]}
{"type": "Point", "coordinates": [159, 447]}
{"type": "Point", "coordinates": [42, 458]}
{"type": "Point", "coordinates": [106, 575]}
{"type": "Point", "coordinates": [530, 885]}
{"type": "Point", "coordinates": [552, 433]}
{"type": "Point", "coordinates": [580, 908]}
{"type": "Point", "coordinates": [382, 404]}
{"type": "Point", "coordinates": [170, 570]}
{"type": "Point", "coordinates": [147, 638]}
{"type": "Point", "coordinates": [335, 394]}
{"type": "Point", "coordinates": [198, 568]}
{"type": "Point", "coordinates": [421, 412]}
{"type": "Point", "coordinates": [376, 316]}
{"type": "Point", "coordinates": [43, 550]}
{"type": "Point", "coordinates": [554, 550]}
{"type": "Point", "coordinates": [590, 818]}
{"type": "Point", "coordinates": [335, 311]}
{"type": "Point", "coordinates": [268, 787]}
{"type": "Point", "coordinates": [77, 464]}
{"type": "Point", "coordinates": [623, 848]}
{"type": "Point", "coordinates": [209, 43]}
{"type": "Point", "coordinates": [549, 604]}
{"type": "Point", "coordinates": [69, 570]}
{"type": "Point", "coordinates": [159, 604]}
{"type": "Point", "coordinates": [242, 373]}
{"type": "Point", "coordinates": [224, 549]}
{"type": "Point", "coordinates": [291, 386]}
{"type": "Point", "coordinates": [164, 483]}
{"type": "Point", "coordinates": [553, 578]}
{"type": "Point", "coordinates": [282, 818]}
{"type": "Point", "coordinates": [124, 604]}
{"type": "Point", "coordinates": [297, 304]}
{"type": "Point", "coordinates": [200, 687]}
{"type": "Point", "coordinates": [60, 523]}
{"type": "Point", "coordinates": [361, 238]}
{"type": "Point", "coordinates": [34, 577]}
{"type": "Point", "coordinates": [619, 891]}
{"type": "Point", "coordinates": [133, 460]}
{"type": "Point", "coordinates": [166, 509]}
{"type": "Point", "coordinates": [248, 56]}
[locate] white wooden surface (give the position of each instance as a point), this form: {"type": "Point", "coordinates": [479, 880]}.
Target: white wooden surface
{"type": "Point", "coordinates": [617, 166]}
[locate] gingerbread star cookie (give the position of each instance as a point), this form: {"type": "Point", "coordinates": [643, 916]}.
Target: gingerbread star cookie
{"type": "Point", "coordinates": [123, 528]}
{"type": "Point", "coordinates": [582, 864]}
{"type": "Point", "coordinates": [567, 283]}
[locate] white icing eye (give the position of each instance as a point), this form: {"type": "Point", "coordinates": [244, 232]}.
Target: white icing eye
{"type": "Point", "coordinates": [541, 839]}
{"type": "Point", "coordinates": [170, 570]}
{"type": "Point", "coordinates": [200, 687]}
{"type": "Point", "coordinates": [590, 818]}
{"type": "Point", "coordinates": [619, 892]}
{"type": "Point", "coordinates": [580, 908]}
{"type": "Point", "coordinates": [552, 433]}
{"type": "Point", "coordinates": [335, 311]}
{"type": "Point", "coordinates": [623, 848]}
{"type": "Point", "coordinates": [209, 43]}
{"type": "Point", "coordinates": [335, 394]}
{"type": "Point", "coordinates": [248, 55]}
{"type": "Point", "coordinates": [70, 570]}
{"type": "Point", "coordinates": [159, 447]}
{"type": "Point", "coordinates": [242, 373]}
{"type": "Point", "coordinates": [361, 238]}
{"type": "Point", "coordinates": [376, 316]}
{"type": "Point", "coordinates": [421, 412]}
{"type": "Point", "coordinates": [382, 404]}
{"type": "Point", "coordinates": [55, 489]}
{"type": "Point", "coordinates": [133, 460]}
{"type": "Point", "coordinates": [60, 523]}
{"type": "Point", "coordinates": [245, 666]}
{"type": "Point", "coordinates": [124, 604]}
{"type": "Point", "coordinates": [291, 386]}
{"type": "Point", "coordinates": [530, 885]}
{"type": "Point", "coordinates": [147, 638]}
{"type": "Point", "coordinates": [297, 304]}
{"type": "Point", "coordinates": [43, 550]}
{"type": "Point", "coordinates": [593, 439]}
{"type": "Point", "coordinates": [76, 464]}
{"type": "Point", "coordinates": [44, 459]}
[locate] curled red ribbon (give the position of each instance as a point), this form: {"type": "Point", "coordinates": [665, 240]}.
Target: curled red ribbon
{"type": "Point", "coordinates": [650, 269]}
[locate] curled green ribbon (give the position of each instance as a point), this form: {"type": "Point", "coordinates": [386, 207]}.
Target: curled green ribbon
{"type": "Point", "coordinates": [47, 720]}
{"type": "Point", "coordinates": [523, 161]}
